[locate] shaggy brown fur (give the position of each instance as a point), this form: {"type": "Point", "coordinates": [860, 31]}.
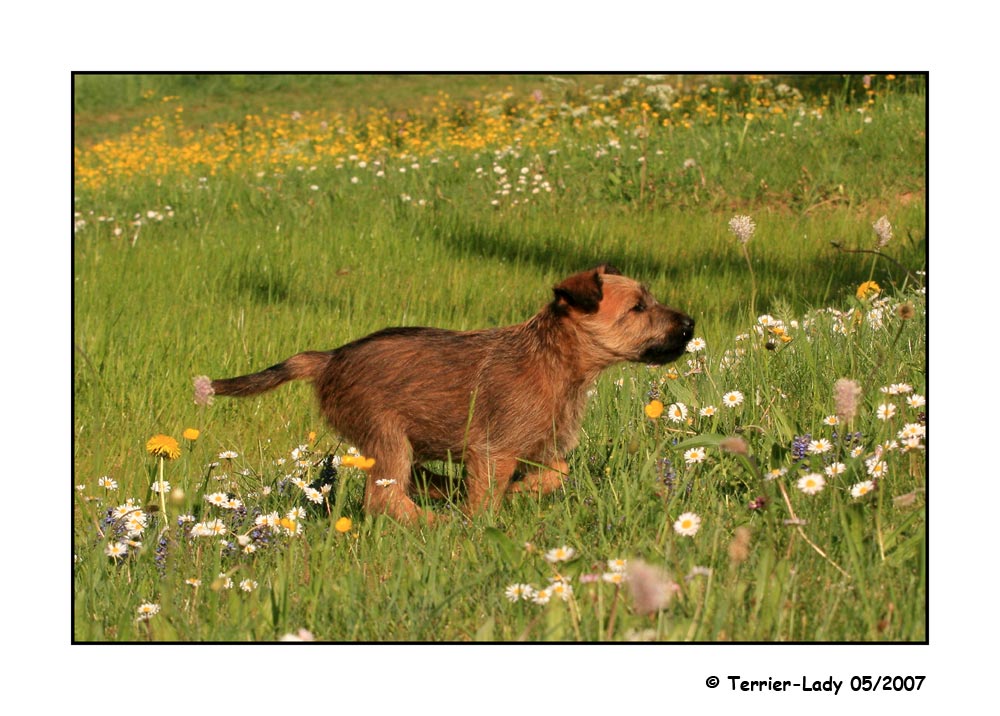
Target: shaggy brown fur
{"type": "Point", "coordinates": [495, 399]}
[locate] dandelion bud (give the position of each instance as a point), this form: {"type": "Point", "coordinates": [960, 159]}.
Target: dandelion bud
{"type": "Point", "coordinates": [845, 398]}
{"type": "Point", "coordinates": [734, 445]}
{"type": "Point", "coordinates": [739, 548]}
{"type": "Point", "coordinates": [905, 311]}
{"type": "Point", "coordinates": [651, 587]}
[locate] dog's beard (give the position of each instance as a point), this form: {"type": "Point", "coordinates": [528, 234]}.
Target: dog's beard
{"type": "Point", "coordinates": [662, 353]}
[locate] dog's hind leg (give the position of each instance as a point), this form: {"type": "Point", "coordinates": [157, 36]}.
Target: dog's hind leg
{"type": "Point", "coordinates": [387, 489]}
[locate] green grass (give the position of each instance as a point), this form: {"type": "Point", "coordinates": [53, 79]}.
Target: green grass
{"type": "Point", "coordinates": [244, 270]}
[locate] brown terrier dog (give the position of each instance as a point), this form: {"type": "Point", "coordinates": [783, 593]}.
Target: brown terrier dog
{"type": "Point", "coordinates": [491, 398]}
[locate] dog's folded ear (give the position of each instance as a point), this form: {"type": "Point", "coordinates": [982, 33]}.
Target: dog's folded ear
{"type": "Point", "coordinates": [581, 291]}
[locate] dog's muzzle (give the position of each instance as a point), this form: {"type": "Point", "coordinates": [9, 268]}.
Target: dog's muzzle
{"type": "Point", "coordinates": [675, 342]}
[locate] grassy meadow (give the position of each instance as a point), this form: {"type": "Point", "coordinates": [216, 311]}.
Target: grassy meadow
{"type": "Point", "coordinates": [769, 486]}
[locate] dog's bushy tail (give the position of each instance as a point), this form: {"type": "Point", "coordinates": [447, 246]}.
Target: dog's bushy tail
{"type": "Point", "coordinates": [300, 366]}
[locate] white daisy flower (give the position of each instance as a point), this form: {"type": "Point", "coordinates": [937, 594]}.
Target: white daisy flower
{"type": "Point", "coordinates": [885, 411]}
{"type": "Point", "coordinates": [116, 550]}
{"type": "Point", "coordinates": [677, 412]}
{"type": "Point", "coordinates": [617, 565]}
{"type": "Point", "coordinates": [732, 399]}
{"type": "Point", "coordinates": [515, 592]}
{"type": "Point", "coordinates": [862, 488]}
{"type": "Point", "coordinates": [687, 524]}
{"type": "Point", "coordinates": [694, 455]}
{"type": "Point", "coordinates": [811, 483]}
{"type": "Point", "coordinates": [560, 554]}
{"type": "Point", "coordinates": [818, 447]}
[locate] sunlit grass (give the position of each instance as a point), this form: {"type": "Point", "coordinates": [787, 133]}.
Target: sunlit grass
{"type": "Point", "coordinates": [224, 246]}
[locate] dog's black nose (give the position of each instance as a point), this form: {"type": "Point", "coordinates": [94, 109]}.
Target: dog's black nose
{"type": "Point", "coordinates": [687, 326]}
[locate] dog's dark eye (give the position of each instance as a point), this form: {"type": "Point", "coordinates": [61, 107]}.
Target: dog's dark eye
{"type": "Point", "coordinates": [639, 307]}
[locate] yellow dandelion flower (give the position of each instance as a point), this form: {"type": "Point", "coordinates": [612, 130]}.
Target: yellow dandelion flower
{"type": "Point", "coordinates": [163, 446]}
{"type": "Point", "coordinates": [869, 289]}
{"type": "Point", "coordinates": [191, 434]}
{"type": "Point", "coordinates": [344, 524]}
{"type": "Point", "coordinates": [358, 461]}
{"type": "Point", "coordinates": [288, 524]}
{"type": "Point", "coordinates": [654, 409]}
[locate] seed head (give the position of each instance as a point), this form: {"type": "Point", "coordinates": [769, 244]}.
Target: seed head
{"type": "Point", "coordinates": [735, 445]}
{"type": "Point", "coordinates": [742, 227]}
{"type": "Point", "coordinates": [905, 500]}
{"type": "Point", "coordinates": [883, 230]}
{"type": "Point", "coordinates": [739, 548]}
{"type": "Point", "coordinates": [651, 587]}
{"type": "Point", "coordinates": [905, 311]}
{"type": "Point", "coordinates": [845, 398]}
{"type": "Point", "coordinates": [203, 390]}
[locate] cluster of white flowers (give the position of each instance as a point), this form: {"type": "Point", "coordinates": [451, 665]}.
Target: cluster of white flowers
{"type": "Point", "coordinates": [132, 518]}
{"type": "Point", "coordinates": [518, 186]}
{"type": "Point", "coordinates": [209, 528]}
{"type": "Point", "coordinates": [223, 500]}
{"type": "Point", "coordinates": [138, 220]}
{"type": "Point", "coordinates": [559, 586]}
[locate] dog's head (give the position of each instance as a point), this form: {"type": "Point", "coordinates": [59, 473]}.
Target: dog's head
{"type": "Point", "coordinates": [621, 318]}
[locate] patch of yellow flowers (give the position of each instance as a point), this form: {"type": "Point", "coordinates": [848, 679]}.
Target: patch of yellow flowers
{"type": "Point", "coordinates": [163, 145]}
